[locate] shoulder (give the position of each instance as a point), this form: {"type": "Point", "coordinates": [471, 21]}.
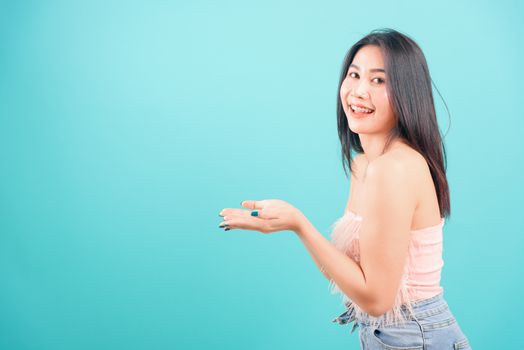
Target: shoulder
{"type": "Point", "coordinates": [401, 164]}
{"type": "Point", "coordinates": [399, 173]}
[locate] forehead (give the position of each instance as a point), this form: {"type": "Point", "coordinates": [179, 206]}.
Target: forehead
{"type": "Point", "coordinates": [369, 56]}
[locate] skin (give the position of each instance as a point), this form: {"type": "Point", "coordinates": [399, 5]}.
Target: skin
{"type": "Point", "coordinates": [393, 192]}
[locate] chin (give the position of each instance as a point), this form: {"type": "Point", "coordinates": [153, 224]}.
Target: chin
{"type": "Point", "coordinates": [358, 130]}
{"type": "Point", "coordinates": [358, 127]}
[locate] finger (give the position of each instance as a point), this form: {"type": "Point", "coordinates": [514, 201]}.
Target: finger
{"type": "Point", "coordinates": [252, 204]}
{"type": "Point", "coordinates": [260, 209]}
{"type": "Point", "coordinates": [260, 213]}
{"type": "Point", "coordinates": [231, 212]}
{"type": "Point", "coordinates": [248, 223]}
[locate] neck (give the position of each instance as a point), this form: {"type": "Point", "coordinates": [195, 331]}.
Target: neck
{"type": "Point", "coordinates": [373, 144]}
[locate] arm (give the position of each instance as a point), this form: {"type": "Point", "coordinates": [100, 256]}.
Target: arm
{"type": "Point", "coordinates": [387, 207]}
{"type": "Point", "coordinates": [389, 204]}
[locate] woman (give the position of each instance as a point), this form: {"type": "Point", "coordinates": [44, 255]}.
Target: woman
{"type": "Point", "coordinates": [385, 254]}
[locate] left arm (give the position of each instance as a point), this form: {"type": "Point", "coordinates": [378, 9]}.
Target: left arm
{"type": "Point", "coordinates": [388, 206]}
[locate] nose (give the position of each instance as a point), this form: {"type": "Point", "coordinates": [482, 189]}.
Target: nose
{"type": "Point", "coordinates": [360, 90]}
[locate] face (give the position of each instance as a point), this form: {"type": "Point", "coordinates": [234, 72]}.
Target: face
{"type": "Point", "coordinates": [365, 86]}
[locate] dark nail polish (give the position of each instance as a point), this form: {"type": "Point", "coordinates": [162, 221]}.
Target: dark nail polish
{"type": "Point", "coordinates": [254, 213]}
{"type": "Point", "coordinates": [222, 226]}
{"type": "Point", "coordinates": [227, 229]}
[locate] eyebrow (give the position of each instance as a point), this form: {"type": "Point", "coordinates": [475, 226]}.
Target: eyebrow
{"type": "Point", "coordinates": [372, 70]}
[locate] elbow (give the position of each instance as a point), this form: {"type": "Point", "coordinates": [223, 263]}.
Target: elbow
{"type": "Point", "coordinates": [379, 302]}
{"type": "Point", "coordinates": [377, 308]}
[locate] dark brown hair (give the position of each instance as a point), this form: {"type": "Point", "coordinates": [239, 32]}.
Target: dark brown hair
{"type": "Point", "coordinates": [409, 86]}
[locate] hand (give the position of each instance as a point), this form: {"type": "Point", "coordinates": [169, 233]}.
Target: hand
{"type": "Point", "coordinates": [273, 215]}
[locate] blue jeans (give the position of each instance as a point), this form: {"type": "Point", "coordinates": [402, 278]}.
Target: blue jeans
{"type": "Point", "coordinates": [433, 327]}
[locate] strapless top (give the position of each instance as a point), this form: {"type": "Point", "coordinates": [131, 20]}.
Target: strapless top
{"type": "Point", "coordinates": [422, 271]}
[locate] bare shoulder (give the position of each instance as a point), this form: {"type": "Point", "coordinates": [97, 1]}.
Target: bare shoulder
{"type": "Point", "coordinates": [403, 161]}
{"type": "Point", "coordinates": [403, 169]}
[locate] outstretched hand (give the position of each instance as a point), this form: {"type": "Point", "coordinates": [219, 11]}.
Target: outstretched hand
{"type": "Point", "coordinates": [266, 216]}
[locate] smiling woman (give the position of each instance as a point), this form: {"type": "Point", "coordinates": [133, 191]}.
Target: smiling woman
{"type": "Point", "coordinates": [385, 253]}
{"type": "Point", "coordinates": [386, 114]}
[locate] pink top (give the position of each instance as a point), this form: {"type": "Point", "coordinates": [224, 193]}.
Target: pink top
{"type": "Point", "coordinates": [421, 278]}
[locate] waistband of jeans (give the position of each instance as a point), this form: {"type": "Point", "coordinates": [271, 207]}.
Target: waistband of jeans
{"type": "Point", "coordinates": [421, 308]}
{"type": "Point", "coordinates": [425, 303]}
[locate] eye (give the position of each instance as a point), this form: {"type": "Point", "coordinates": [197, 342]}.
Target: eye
{"type": "Point", "coordinates": [379, 80]}
{"type": "Point", "coordinates": [350, 74]}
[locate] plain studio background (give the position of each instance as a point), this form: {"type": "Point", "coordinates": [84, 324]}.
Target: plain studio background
{"type": "Point", "coordinates": [126, 127]}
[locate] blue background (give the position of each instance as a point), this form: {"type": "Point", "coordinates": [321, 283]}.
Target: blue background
{"type": "Point", "coordinates": [125, 127]}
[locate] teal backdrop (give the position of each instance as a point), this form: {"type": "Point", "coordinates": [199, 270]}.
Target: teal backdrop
{"type": "Point", "coordinates": [125, 127]}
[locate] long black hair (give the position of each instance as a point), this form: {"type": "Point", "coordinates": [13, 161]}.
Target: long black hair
{"type": "Point", "coordinates": [408, 83]}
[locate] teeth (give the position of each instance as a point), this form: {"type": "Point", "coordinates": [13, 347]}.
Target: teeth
{"type": "Point", "coordinates": [362, 110]}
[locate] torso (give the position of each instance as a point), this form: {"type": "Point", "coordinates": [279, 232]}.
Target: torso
{"type": "Point", "coordinates": [427, 212]}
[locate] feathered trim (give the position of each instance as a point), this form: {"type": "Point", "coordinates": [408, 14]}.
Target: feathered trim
{"type": "Point", "coordinates": [344, 236]}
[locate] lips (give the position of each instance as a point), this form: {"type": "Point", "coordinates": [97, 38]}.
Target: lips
{"type": "Point", "coordinates": [360, 114]}
{"type": "Point", "coordinates": [361, 108]}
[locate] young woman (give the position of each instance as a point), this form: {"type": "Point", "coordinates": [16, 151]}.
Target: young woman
{"type": "Point", "coordinates": [385, 253]}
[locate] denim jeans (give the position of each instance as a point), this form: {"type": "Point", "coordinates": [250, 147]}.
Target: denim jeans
{"type": "Point", "coordinates": [432, 327]}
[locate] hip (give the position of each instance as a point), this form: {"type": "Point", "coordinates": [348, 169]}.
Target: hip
{"type": "Point", "coordinates": [432, 325]}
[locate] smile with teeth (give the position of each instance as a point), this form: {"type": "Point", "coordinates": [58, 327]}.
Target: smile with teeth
{"type": "Point", "coordinates": [360, 109]}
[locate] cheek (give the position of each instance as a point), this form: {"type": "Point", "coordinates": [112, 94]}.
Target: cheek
{"type": "Point", "coordinates": [343, 93]}
{"type": "Point", "coordinates": [384, 97]}
{"type": "Point", "coordinates": [344, 88]}
{"type": "Point", "coordinates": [384, 102]}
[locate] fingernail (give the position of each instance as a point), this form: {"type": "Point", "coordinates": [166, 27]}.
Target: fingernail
{"type": "Point", "coordinates": [227, 229]}
{"type": "Point", "coordinates": [223, 225]}
{"type": "Point", "coordinates": [254, 213]}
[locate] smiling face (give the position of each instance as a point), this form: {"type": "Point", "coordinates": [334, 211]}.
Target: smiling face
{"type": "Point", "coordinates": [365, 86]}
